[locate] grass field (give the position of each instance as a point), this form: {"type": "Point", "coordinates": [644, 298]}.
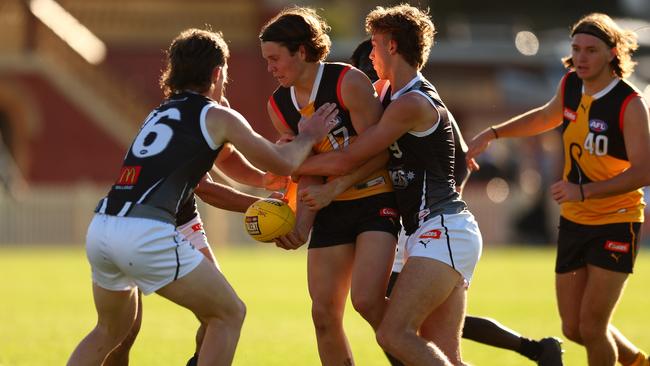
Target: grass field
{"type": "Point", "coordinates": [46, 308]}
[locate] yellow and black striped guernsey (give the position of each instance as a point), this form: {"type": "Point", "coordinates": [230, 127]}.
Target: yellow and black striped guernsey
{"type": "Point", "coordinates": [594, 150]}
{"type": "Point", "coordinates": [327, 89]}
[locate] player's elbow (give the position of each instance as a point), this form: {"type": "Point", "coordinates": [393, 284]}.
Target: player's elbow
{"type": "Point", "coordinates": [645, 178]}
{"type": "Point", "coordinates": [640, 174]}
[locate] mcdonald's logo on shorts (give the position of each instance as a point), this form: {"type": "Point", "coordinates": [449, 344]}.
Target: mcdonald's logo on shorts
{"type": "Point", "coordinates": [128, 175]}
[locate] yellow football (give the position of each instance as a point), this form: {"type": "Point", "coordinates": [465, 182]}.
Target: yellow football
{"type": "Point", "coordinates": [268, 219]}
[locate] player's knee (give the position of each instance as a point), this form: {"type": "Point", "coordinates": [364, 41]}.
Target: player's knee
{"type": "Point", "coordinates": [324, 317]}
{"type": "Point", "coordinates": [231, 314]}
{"type": "Point", "coordinates": [572, 332]}
{"type": "Point", "coordinates": [237, 313]}
{"type": "Point", "coordinates": [388, 338]}
{"type": "Point", "coordinates": [366, 305]}
{"type": "Point", "coordinates": [590, 331]}
{"type": "Point", "coordinates": [230, 318]}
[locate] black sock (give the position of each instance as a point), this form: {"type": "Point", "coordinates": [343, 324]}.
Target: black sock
{"type": "Point", "coordinates": [193, 361]}
{"type": "Point", "coordinates": [530, 348]}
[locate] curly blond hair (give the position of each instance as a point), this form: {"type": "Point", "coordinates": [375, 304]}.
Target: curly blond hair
{"type": "Point", "coordinates": [409, 26]}
{"type": "Point", "coordinates": [603, 27]}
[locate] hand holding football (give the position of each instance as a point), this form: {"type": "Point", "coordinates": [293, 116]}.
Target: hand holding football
{"type": "Point", "coordinates": [268, 219]}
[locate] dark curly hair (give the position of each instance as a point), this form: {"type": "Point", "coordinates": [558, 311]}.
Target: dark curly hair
{"type": "Point", "coordinates": [191, 58]}
{"type": "Point", "coordinates": [299, 26]}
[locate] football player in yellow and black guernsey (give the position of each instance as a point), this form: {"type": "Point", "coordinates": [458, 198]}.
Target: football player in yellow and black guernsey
{"type": "Point", "coordinates": [606, 138]}
{"type": "Point", "coordinates": [353, 238]}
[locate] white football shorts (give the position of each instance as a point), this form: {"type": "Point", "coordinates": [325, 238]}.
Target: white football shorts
{"type": "Point", "coordinates": [193, 231]}
{"type": "Point", "coordinates": [398, 262]}
{"type": "Point", "coordinates": [453, 239]}
{"type": "Point", "coordinates": [125, 252]}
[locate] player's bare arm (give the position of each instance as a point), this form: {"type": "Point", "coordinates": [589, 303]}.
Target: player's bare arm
{"type": "Point", "coordinates": [222, 196]}
{"type": "Point", "coordinates": [304, 218]}
{"type": "Point", "coordinates": [409, 112]}
{"type": "Point", "coordinates": [531, 123]}
{"type": "Point", "coordinates": [319, 196]}
{"type": "Point", "coordinates": [365, 110]}
{"type": "Point", "coordinates": [237, 167]}
{"type": "Point", "coordinates": [637, 145]}
{"type": "Point", "coordinates": [361, 100]}
{"type": "Point", "coordinates": [225, 124]}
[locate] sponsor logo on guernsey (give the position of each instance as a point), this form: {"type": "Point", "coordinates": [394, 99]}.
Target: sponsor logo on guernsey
{"type": "Point", "coordinates": [617, 246]}
{"type": "Point", "coordinates": [128, 175]}
{"type": "Point", "coordinates": [424, 213]}
{"type": "Point", "coordinates": [597, 125]}
{"type": "Point", "coordinates": [431, 234]}
{"type": "Point", "coordinates": [197, 227]}
{"type": "Point", "coordinates": [570, 114]}
{"type": "Point", "coordinates": [388, 212]}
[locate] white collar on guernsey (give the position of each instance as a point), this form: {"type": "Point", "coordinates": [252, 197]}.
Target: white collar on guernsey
{"type": "Point", "coordinates": [603, 91]}
{"type": "Point", "coordinates": [384, 89]}
{"type": "Point", "coordinates": [314, 88]}
{"type": "Point", "coordinates": [397, 94]}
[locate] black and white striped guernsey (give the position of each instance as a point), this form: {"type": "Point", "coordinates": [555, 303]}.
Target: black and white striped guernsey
{"type": "Point", "coordinates": [421, 165]}
{"type": "Point", "coordinates": [165, 162]}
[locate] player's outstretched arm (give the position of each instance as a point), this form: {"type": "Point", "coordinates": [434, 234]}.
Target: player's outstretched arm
{"type": "Point", "coordinates": [304, 218]}
{"type": "Point", "coordinates": [226, 125]}
{"type": "Point", "coordinates": [404, 114]}
{"type": "Point", "coordinates": [233, 163]}
{"type": "Point", "coordinates": [222, 196]}
{"type": "Point", "coordinates": [531, 123]}
{"type": "Point", "coordinates": [319, 196]}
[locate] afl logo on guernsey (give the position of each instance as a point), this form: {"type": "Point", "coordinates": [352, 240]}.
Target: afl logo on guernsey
{"type": "Point", "coordinates": [569, 114]}
{"type": "Point", "coordinates": [597, 125]}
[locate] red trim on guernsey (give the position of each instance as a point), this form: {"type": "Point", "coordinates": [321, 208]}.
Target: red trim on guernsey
{"type": "Point", "coordinates": [338, 87]}
{"type": "Point", "coordinates": [621, 115]}
{"type": "Point", "coordinates": [563, 82]}
{"type": "Point", "coordinates": [278, 113]}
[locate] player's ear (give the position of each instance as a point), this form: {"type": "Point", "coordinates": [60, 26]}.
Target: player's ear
{"type": "Point", "coordinates": [613, 53]}
{"type": "Point", "coordinates": [392, 46]}
{"type": "Point", "coordinates": [216, 73]}
{"type": "Point", "coordinates": [302, 52]}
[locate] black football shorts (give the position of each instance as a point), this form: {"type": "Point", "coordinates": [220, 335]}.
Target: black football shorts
{"type": "Point", "coordinates": [342, 221]}
{"type": "Point", "coordinates": [610, 246]}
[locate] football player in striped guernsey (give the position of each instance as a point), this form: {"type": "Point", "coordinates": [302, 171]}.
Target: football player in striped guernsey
{"type": "Point", "coordinates": [605, 130]}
